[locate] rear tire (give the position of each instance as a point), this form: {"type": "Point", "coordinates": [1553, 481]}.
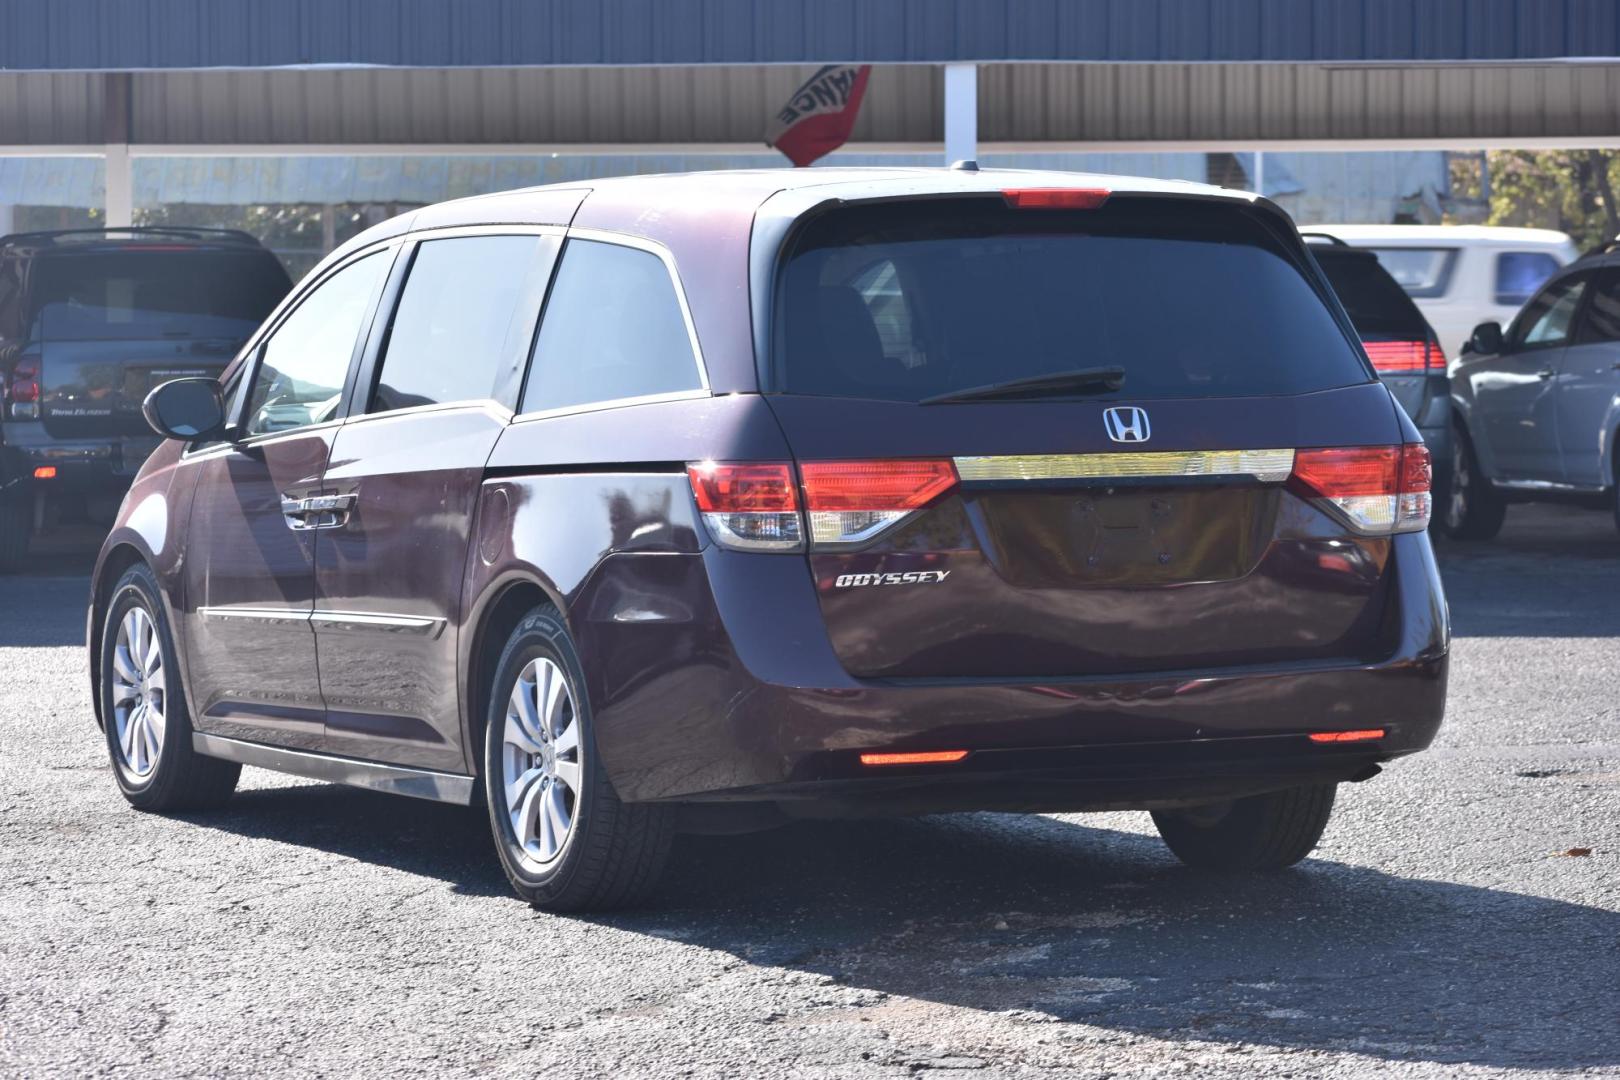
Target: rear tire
{"type": "Point", "coordinates": [143, 707]}
{"type": "Point", "coordinates": [15, 525]}
{"type": "Point", "coordinates": [1257, 833]}
{"type": "Point", "coordinates": [1471, 508]}
{"type": "Point", "coordinates": [565, 839]}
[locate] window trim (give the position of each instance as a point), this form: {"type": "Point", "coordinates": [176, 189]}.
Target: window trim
{"type": "Point", "coordinates": [355, 408]}
{"type": "Point", "coordinates": [638, 243]}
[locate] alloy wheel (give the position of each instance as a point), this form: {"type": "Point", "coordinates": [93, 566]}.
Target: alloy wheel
{"type": "Point", "coordinates": [541, 762]}
{"type": "Point", "coordinates": [139, 694]}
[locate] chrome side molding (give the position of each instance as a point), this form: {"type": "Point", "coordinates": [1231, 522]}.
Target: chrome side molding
{"type": "Point", "coordinates": [416, 625]}
{"type": "Point", "coordinates": [393, 779]}
{"type": "Point", "coordinates": [1267, 466]}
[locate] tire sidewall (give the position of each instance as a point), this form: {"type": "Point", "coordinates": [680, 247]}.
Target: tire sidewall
{"type": "Point", "coordinates": [136, 587]}
{"type": "Point", "coordinates": [541, 635]}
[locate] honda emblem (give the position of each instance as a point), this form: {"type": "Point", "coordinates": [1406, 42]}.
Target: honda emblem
{"type": "Point", "coordinates": [1127, 424]}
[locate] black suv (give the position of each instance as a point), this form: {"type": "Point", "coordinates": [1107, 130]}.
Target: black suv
{"type": "Point", "coordinates": [90, 320]}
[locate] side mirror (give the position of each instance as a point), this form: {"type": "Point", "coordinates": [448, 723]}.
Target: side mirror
{"type": "Point", "coordinates": [1486, 338]}
{"type": "Point", "coordinates": [185, 409]}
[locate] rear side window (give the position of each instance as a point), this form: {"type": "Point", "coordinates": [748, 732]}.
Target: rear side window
{"type": "Point", "coordinates": [137, 295]}
{"type": "Point", "coordinates": [1422, 272]}
{"type": "Point", "coordinates": [613, 328]}
{"type": "Point", "coordinates": [455, 329]}
{"type": "Point", "coordinates": [905, 302]}
{"type": "Point", "coordinates": [1521, 273]}
{"type": "Point", "coordinates": [1377, 306]}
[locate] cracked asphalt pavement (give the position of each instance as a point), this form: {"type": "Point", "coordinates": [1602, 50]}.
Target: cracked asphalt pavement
{"type": "Point", "coordinates": [315, 930]}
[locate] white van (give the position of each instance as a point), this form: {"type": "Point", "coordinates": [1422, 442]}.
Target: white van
{"type": "Point", "coordinates": [1462, 275]}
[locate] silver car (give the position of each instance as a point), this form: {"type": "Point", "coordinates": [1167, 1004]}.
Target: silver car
{"type": "Point", "coordinates": [1537, 406]}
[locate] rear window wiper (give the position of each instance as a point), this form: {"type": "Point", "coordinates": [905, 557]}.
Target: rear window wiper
{"type": "Point", "coordinates": [1095, 380]}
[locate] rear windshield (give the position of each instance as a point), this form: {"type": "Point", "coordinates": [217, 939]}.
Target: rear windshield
{"type": "Point", "coordinates": [135, 295]}
{"type": "Point", "coordinates": [1377, 306]}
{"type": "Point", "coordinates": [1422, 272]}
{"type": "Point", "coordinates": [902, 302]}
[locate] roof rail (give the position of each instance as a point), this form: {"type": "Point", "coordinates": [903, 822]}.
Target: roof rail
{"type": "Point", "coordinates": [156, 232]}
{"type": "Point", "coordinates": [1327, 238]}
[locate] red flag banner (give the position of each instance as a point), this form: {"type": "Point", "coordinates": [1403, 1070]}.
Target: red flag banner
{"type": "Point", "coordinates": [819, 116]}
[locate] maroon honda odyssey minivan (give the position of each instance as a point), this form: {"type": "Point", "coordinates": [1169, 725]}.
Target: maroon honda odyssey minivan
{"type": "Point", "coordinates": [713, 501]}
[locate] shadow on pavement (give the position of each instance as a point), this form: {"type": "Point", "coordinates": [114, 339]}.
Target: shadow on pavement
{"type": "Point", "coordinates": [1063, 924]}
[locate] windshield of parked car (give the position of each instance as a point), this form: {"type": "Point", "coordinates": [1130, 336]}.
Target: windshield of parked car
{"type": "Point", "coordinates": [145, 294]}
{"type": "Point", "coordinates": [911, 301]}
{"type": "Point", "coordinates": [1376, 305]}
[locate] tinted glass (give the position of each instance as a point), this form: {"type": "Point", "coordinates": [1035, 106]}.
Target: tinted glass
{"type": "Point", "coordinates": [451, 331]}
{"type": "Point", "coordinates": [1377, 306]}
{"type": "Point", "coordinates": [301, 374]}
{"type": "Point", "coordinates": [1602, 321]}
{"type": "Point", "coordinates": [1420, 271]}
{"type": "Point", "coordinates": [1546, 319]}
{"type": "Point", "coordinates": [612, 329]}
{"type": "Point", "coordinates": [154, 294]}
{"type": "Point", "coordinates": [1191, 300]}
{"type": "Point", "coordinates": [1520, 273]}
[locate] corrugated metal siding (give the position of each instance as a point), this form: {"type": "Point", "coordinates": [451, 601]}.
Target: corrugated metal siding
{"type": "Point", "coordinates": [1238, 102]}
{"type": "Point", "coordinates": [168, 34]}
{"type": "Point", "coordinates": [531, 105]}
{"type": "Point", "coordinates": [1017, 103]}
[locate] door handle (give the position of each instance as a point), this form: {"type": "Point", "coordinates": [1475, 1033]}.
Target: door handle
{"type": "Point", "coordinates": [317, 511]}
{"type": "Point", "coordinates": [1545, 373]}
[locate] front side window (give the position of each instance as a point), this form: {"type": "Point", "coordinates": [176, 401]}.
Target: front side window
{"type": "Point", "coordinates": [612, 329]}
{"type": "Point", "coordinates": [1602, 322]}
{"type": "Point", "coordinates": [1548, 318]}
{"type": "Point", "coordinates": [1422, 272]}
{"type": "Point", "coordinates": [1521, 273]}
{"type": "Point", "coordinates": [454, 327]}
{"type": "Point", "coordinates": [305, 362]}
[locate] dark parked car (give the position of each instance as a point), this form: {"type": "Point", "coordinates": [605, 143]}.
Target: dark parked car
{"type": "Point", "coordinates": [1538, 405]}
{"type": "Point", "coordinates": [712, 501]}
{"type": "Point", "coordinates": [90, 320]}
{"type": "Point", "coordinates": [1397, 338]}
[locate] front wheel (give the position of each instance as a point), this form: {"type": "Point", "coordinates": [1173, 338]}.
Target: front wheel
{"type": "Point", "coordinates": [143, 707]}
{"type": "Point", "coordinates": [1260, 832]}
{"type": "Point", "coordinates": [565, 839]}
{"type": "Point", "coordinates": [1470, 508]}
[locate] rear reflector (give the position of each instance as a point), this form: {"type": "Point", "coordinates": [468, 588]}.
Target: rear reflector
{"type": "Point", "coordinates": [1375, 489]}
{"type": "Point", "coordinates": [1367, 735]}
{"type": "Point", "coordinates": [850, 502]}
{"type": "Point", "coordinates": [44, 472]}
{"type": "Point", "coordinates": [1401, 357]}
{"type": "Point", "coordinates": [1055, 198]}
{"type": "Point", "coordinates": [752, 507]}
{"type": "Point", "coordinates": [928, 757]}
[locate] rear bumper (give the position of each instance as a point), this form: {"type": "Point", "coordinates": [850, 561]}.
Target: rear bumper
{"type": "Point", "coordinates": [100, 467]}
{"type": "Point", "coordinates": [729, 690]}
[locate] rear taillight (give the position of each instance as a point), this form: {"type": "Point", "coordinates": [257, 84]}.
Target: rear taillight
{"type": "Point", "coordinates": [1401, 357]}
{"type": "Point", "coordinates": [1375, 489]}
{"type": "Point", "coordinates": [850, 502]}
{"type": "Point", "coordinates": [755, 506]}
{"type": "Point", "coordinates": [749, 507]}
{"type": "Point", "coordinates": [1055, 198]}
{"type": "Point", "coordinates": [22, 389]}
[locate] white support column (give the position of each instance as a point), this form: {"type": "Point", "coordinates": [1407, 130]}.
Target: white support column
{"type": "Point", "coordinates": [961, 112]}
{"type": "Point", "coordinates": [1259, 172]}
{"type": "Point", "coordinates": [120, 187]}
